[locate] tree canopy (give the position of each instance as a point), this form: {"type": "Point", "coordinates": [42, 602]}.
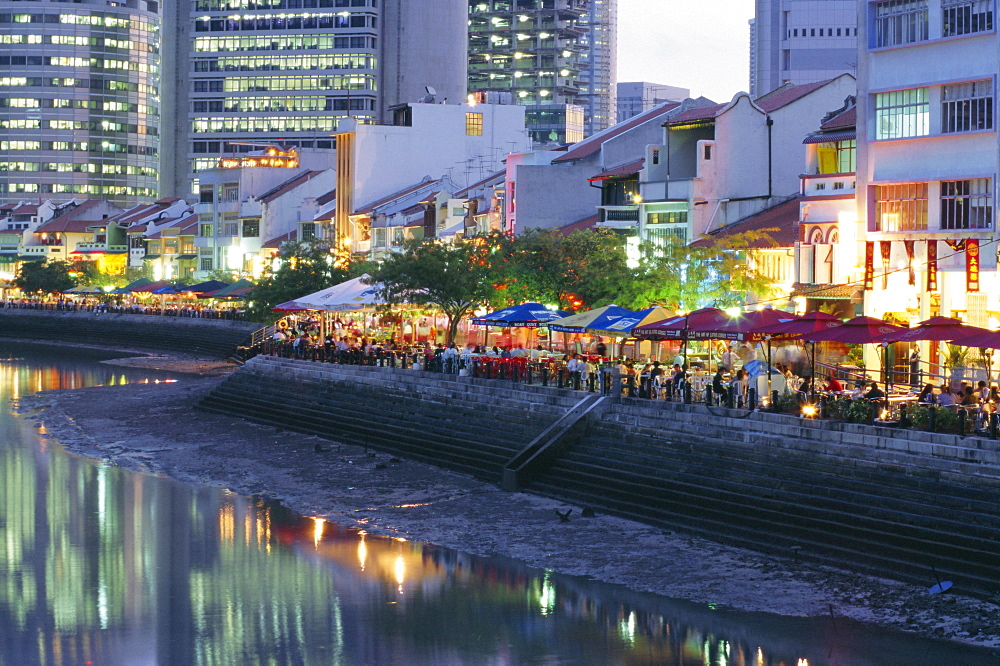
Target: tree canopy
{"type": "Point", "coordinates": [302, 269]}
{"type": "Point", "coordinates": [44, 276]}
{"type": "Point", "coordinates": [457, 277]}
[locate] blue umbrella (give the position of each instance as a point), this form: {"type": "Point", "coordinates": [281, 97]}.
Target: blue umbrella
{"type": "Point", "coordinates": [598, 320]}
{"type": "Point", "coordinates": [527, 315]}
{"type": "Point", "coordinates": [757, 368]}
{"type": "Point", "coordinates": [165, 289]}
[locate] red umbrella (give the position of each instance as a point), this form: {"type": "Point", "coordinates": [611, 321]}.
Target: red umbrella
{"type": "Point", "coordinates": [754, 325]}
{"type": "Point", "coordinates": [810, 322]}
{"type": "Point", "coordinates": [858, 331]}
{"type": "Point", "coordinates": [683, 327]}
{"type": "Point", "coordinates": [984, 339]}
{"type": "Point", "coordinates": [938, 329]}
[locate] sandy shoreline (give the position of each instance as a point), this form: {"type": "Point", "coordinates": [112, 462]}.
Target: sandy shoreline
{"type": "Point", "coordinates": [350, 486]}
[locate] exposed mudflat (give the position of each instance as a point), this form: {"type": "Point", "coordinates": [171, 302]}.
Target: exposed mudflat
{"type": "Point", "coordinates": [155, 428]}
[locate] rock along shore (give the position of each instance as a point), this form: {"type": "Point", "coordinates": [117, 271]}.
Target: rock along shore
{"type": "Point", "coordinates": [351, 486]}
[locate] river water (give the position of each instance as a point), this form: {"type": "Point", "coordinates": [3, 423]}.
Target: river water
{"type": "Point", "coordinates": [101, 565]}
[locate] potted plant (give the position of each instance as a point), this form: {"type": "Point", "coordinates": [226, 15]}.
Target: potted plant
{"type": "Point", "coordinates": [955, 360]}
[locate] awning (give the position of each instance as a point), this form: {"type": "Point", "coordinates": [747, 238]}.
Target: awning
{"type": "Point", "coordinates": [151, 256]}
{"type": "Point", "coordinates": [832, 137]}
{"type": "Point", "coordinates": [186, 257]}
{"type": "Point", "coordinates": [825, 291]}
{"type": "Point", "coordinates": [623, 171]}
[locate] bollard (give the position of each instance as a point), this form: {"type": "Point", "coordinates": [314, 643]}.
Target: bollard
{"type": "Point", "coordinates": [774, 401]}
{"type": "Point", "coordinates": [730, 397]}
{"type": "Point", "coordinates": [904, 421]}
{"type": "Point", "coordinates": [545, 375]}
{"type": "Point", "coordinates": [962, 416]}
{"type": "Point", "coordinates": [994, 425]}
{"type": "Point", "coordinates": [708, 396]}
{"type": "Point", "coordinates": [559, 380]}
{"type": "Point", "coordinates": [931, 418]}
{"type": "Point", "coordinates": [824, 408]}
{"type": "Point", "coordinates": [591, 382]}
{"type": "Point", "coordinates": [687, 393]}
{"type": "Point", "coordinates": [752, 398]}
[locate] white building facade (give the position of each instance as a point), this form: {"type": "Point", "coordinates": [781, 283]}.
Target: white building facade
{"type": "Point", "coordinates": [928, 159]}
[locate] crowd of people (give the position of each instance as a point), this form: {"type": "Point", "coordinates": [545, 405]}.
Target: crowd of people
{"type": "Point", "coordinates": [194, 311]}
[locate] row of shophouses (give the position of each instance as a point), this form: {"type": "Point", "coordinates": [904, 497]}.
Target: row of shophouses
{"type": "Point", "coordinates": [877, 192]}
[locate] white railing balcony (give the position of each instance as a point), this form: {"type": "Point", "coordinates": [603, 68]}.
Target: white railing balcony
{"type": "Point", "coordinates": [618, 217]}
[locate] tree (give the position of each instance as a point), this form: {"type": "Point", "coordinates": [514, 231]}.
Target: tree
{"type": "Point", "coordinates": [687, 277]}
{"type": "Point", "coordinates": [47, 277]}
{"type": "Point", "coordinates": [456, 277]}
{"type": "Point", "coordinates": [581, 269]}
{"type": "Point", "coordinates": [302, 269]}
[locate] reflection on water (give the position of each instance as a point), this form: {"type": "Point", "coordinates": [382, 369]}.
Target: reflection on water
{"type": "Point", "coordinates": [103, 565]}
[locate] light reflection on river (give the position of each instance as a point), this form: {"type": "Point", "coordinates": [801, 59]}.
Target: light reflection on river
{"type": "Point", "coordinates": [104, 565]}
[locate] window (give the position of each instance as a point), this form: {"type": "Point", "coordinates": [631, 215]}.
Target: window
{"type": "Point", "coordinates": [902, 113]}
{"type": "Point", "coordinates": [901, 207]}
{"type": "Point", "coordinates": [967, 204]}
{"type": "Point", "coordinates": [474, 124]}
{"type": "Point", "coordinates": [251, 228]}
{"type": "Point", "coordinates": [966, 107]}
{"type": "Point", "coordinates": [708, 152]}
{"type": "Point", "coordinates": [962, 17]}
{"type": "Point", "coordinates": [205, 263]}
{"type": "Point", "coordinates": [206, 230]}
{"type": "Point", "coordinates": [230, 192]}
{"type": "Point", "coordinates": [898, 22]}
{"type": "Point", "coordinates": [206, 194]}
{"type": "Point", "coordinates": [847, 156]}
{"type": "Point", "coordinates": [307, 231]}
{"type": "Point", "coordinates": [669, 217]}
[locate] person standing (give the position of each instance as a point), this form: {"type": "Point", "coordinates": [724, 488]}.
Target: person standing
{"type": "Point", "coordinates": [915, 366]}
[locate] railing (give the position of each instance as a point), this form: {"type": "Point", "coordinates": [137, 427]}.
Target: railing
{"type": "Point", "coordinates": [619, 213]}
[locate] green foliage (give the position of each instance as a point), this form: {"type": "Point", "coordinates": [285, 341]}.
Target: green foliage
{"type": "Point", "coordinates": [584, 269]}
{"type": "Point", "coordinates": [688, 277]}
{"type": "Point", "coordinates": [955, 356]}
{"type": "Point", "coordinates": [854, 411]}
{"type": "Point", "coordinates": [46, 277]}
{"type": "Point", "coordinates": [88, 273]}
{"type": "Point", "coordinates": [303, 269]}
{"type": "Point", "coordinates": [456, 277]}
{"type": "Point", "coordinates": [945, 419]}
{"type": "Point", "coordinates": [788, 403]}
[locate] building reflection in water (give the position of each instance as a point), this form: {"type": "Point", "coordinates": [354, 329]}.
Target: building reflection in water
{"type": "Point", "coordinates": [104, 565]}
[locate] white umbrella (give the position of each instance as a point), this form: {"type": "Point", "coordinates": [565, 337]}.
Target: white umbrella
{"type": "Point", "coordinates": [347, 296]}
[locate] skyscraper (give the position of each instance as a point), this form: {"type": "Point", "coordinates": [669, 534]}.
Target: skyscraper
{"type": "Point", "coordinates": [547, 52]}
{"type": "Point", "coordinates": [79, 100]}
{"type": "Point", "coordinates": [801, 41]}
{"type": "Point", "coordinates": [290, 70]}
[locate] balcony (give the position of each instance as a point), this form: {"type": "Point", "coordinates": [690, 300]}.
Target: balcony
{"type": "Point", "coordinates": [361, 246]}
{"type": "Point", "coordinates": [94, 247]}
{"type": "Point", "coordinates": [828, 184]}
{"type": "Point", "coordinates": [618, 217]}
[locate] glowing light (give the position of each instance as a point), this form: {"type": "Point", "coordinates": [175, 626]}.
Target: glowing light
{"type": "Point", "coordinates": [362, 552]}
{"type": "Point", "coordinates": [809, 411]}
{"type": "Point", "coordinates": [733, 312]}
{"type": "Point", "coordinates": [318, 524]}
{"type": "Point", "coordinates": [400, 573]}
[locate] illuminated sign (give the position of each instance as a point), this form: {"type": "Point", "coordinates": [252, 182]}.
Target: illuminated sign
{"type": "Point", "coordinates": [272, 157]}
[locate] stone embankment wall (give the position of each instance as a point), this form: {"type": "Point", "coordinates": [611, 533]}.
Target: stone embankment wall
{"type": "Point", "coordinates": [210, 337]}
{"type": "Point", "coordinates": [896, 503]}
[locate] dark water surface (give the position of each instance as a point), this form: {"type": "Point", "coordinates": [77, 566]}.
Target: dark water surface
{"type": "Point", "coordinates": [100, 565]}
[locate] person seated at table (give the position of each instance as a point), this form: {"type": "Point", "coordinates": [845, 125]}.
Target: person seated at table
{"type": "Point", "coordinates": [675, 381]}
{"type": "Point", "coordinates": [833, 385]}
{"type": "Point", "coordinates": [947, 398]}
{"type": "Point", "coordinates": [718, 386]}
{"type": "Point", "coordinates": [874, 392]}
{"type": "Point", "coordinates": [993, 396]}
{"type": "Point", "coordinates": [969, 397]}
{"type": "Point", "coordinates": [859, 391]}
{"type": "Point", "coordinates": [926, 395]}
{"type": "Point", "coordinates": [982, 391]}
{"type": "Point", "coordinates": [739, 386]}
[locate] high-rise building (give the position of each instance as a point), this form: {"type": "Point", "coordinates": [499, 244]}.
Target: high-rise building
{"type": "Point", "coordinates": [801, 41]}
{"type": "Point", "coordinates": [79, 100]}
{"type": "Point", "coordinates": [634, 97]}
{"type": "Point", "coordinates": [547, 52]}
{"type": "Point", "coordinates": [291, 70]}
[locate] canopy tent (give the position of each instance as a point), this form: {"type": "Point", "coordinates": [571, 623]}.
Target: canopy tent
{"type": "Point", "coordinates": [204, 287]}
{"type": "Point", "coordinates": [165, 290]}
{"type": "Point", "coordinates": [352, 295]}
{"type": "Point", "coordinates": [938, 329]}
{"type": "Point", "coordinates": [527, 315]}
{"type": "Point", "coordinates": [235, 290]}
{"type": "Point", "coordinates": [128, 289]}
{"type": "Point", "coordinates": [290, 306]}
{"type": "Point", "coordinates": [147, 287]}
{"type": "Point", "coordinates": [596, 320]}
{"type": "Point", "coordinates": [683, 327]}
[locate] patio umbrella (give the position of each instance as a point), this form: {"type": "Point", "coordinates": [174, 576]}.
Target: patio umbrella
{"type": "Point", "coordinates": [147, 287]}
{"type": "Point", "coordinates": [88, 289]}
{"type": "Point", "coordinates": [238, 288]}
{"type": "Point", "coordinates": [745, 327]}
{"type": "Point", "coordinates": [810, 322]}
{"type": "Point", "coordinates": [625, 325]}
{"type": "Point", "coordinates": [291, 306]}
{"type": "Point", "coordinates": [525, 315]}
{"type": "Point", "coordinates": [204, 287]}
{"type": "Point", "coordinates": [938, 329]}
{"type": "Point", "coordinates": [596, 319]}
{"type": "Point", "coordinates": [859, 331]}
{"type": "Point", "coordinates": [165, 289]}
{"type": "Point", "coordinates": [681, 327]}
{"type": "Point", "coordinates": [983, 339]}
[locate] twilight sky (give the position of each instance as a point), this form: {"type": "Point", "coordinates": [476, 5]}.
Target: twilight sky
{"type": "Point", "coordinates": [703, 45]}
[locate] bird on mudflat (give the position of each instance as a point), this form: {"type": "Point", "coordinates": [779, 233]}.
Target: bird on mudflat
{"type": "Point", "coordinates": [564, 517]}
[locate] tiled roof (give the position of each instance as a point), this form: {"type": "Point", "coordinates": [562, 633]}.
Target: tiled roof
{"type": "Point", "coordinates": [781, 222]}
{"type": "Point", "coordinates": [591, 145]}
{"type": "Point", "coordinates": [843, 120]}
{"type": "Point", "coordinates": [75, 220]}
{"type": "Point", "coordinates": [275, 243]}
{"type": "Point", "coordinates": [830, 291]}
{"type": "Point", "coordinates": [288, 186]}
{"type": "Point", "coordinates": [697, 113]}
{"type": "Point", "coordinates": [579, 225]}
{"type": "Point", "coordinates": [630, 169]}
{"type": "Point", "coordinates": [432, 197]}
{"type": "Point", "coordinates": [784, 96]}
{"type": "Point", "coordinates": [498, 176]}
{"type": "Point", "coordinates": [831, 137]}
{"type": "Point", "coordinates": [392, 197]}
{"type": "Point", "coordinates": [329, 197]}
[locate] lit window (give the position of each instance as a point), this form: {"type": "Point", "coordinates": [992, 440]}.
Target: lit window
{"type": "Point", "coordinates": [962, 17]}
{"type": "Point", "coordinates": [474, 124]}
{"type": "Point", "coordinates": [902, 113]}
{"type": "Point", "coordinates": [898, 22]}
{"type": "Point", "coordinates": [901, 207]}
{"type": "Point", "coordinates": [966, 107]}
{"type": "Point", "coordinates": [967, 204]}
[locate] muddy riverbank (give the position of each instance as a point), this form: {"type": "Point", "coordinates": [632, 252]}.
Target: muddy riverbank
{"type": "Point", "coordinates": [155, 428]}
